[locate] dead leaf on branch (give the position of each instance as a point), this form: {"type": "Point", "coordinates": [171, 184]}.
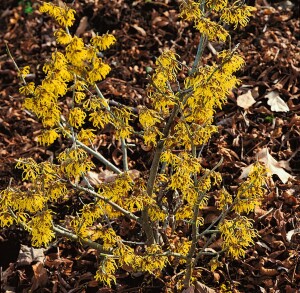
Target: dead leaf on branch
{"type": "Point", "coordinates": [277, 104]}
{"type": "Point", "coordinates": [274, 167]}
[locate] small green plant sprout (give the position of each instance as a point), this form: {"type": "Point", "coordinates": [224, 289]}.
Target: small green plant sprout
{"type": "Point", "coordinates": [176, 124]}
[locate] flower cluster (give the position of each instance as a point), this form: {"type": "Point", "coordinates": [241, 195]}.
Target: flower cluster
{"type": "Point", "coordinates": [237, 236]}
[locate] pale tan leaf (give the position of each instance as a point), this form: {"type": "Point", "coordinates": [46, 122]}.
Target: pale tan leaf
{"type": "Point", "coordinates": [27, 255]}
{"type": "Point", "coordinates": [201, 288]}
{"type": "Point", "coordinates": [83, 24]}
{"type": "Point", "coordinates": [246, 100]}
{"type": "Point", "coordinates": [190, 289]}
{"type": "Point", "coordinates": [291, 233]}
{"type": "Point", "coordinates": [277, 104]}
{"type": "Point", "coordinates": [273, 166]}
{"type": "Point", "coordinates": [140, 30]}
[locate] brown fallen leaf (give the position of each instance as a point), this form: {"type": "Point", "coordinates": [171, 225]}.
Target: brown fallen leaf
{"type": "Point", "coordinates": [40, 277]}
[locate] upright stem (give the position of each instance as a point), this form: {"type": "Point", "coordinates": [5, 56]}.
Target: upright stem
{"type": "Point", "coordinates": [190, 263]}
{"type": "Point", "coordinates": [147, 225]}
{"type": "Point", "coordinates": [199, 54]}
{"type": "Point", "coordinates": [124, 151]}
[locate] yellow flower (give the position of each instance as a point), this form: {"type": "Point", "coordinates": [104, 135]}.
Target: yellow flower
{"type": "Point", "coordinates": [190, 10]}
{"type": "Point", "coordinates": [76, 53]}
{"type": "Point", "coordinates": [24, 71]}
{"type": "Point", "coordinates": [150, 136]}
{"type": "Point", "coordinates": [217, 5]}
{"type": "Point", "coordinates": [62, 37]}
{"type": "Point", "coordinates": [75, 162]}
{"type": "Point", "coordinates": [231, 62]}
{"type": "Point", "coordinates": [237, 15]}
{"type": "Point", "coordinates": [79, 96]}
{"type": "Point", "coordinates": [63, 15]}
{"type": "Point", "coordinates": [90, 213]}
{"type": "Point", "coordinates": [224, 199]}
{"type": "Point", "coordinates": [152, 262]}
{"type": "Point", "coordinates": [103, 42]}
{"type": "Point", "coordinates": [29, 201]}
{"type": "Point", "coordinates": [56, 191]}
{"type": "Point", "coordinates": [251, 192]}
{"type": "Point", "coordinates": [106, 272]}
{"type": "Point", "coordinates": [237, 235]}
{"type": "Point", "coordinates": [6, 219]}
{"type": "Point", "coordinates": [41, 229]}
{"type": "Point", "coordinates": [99, 72]}
{"type": "Point", "coordinates": [48, 137]}
{"type": "Point", "coordinates": [76, 117]}
{"type": "Point", "coordinates": [27, 89]}
{"type": "Point", "coordinates": [86, 136]}
{"type": "Point", "coordinates": [100, 118]}
{"type": "Point", "coordinates": [211, 30]}
{"type": "Point", "coordinates": [148, 117]}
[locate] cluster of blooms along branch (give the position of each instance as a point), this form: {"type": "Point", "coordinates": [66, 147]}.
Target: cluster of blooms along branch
{"type": "Point", "coordinates": [178, 121]}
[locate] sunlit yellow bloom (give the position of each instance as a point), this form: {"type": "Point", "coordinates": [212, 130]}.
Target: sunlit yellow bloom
{"type": "Point", "coordinates": [148, 117]}
{"type": "Point", "coordinates": [79, 96]}
{"type": "Point", "coordinates": [28, 201]}
{"type": "Point", "coordinates": [76, 117]}
{"type": "Point", "coordinates": [184, 212]}
{"type": "Point", "coordinates": [151, 135]}
{"type": "Point", "coordinates": [126, 254]}
{"type": "Point", "coordinates": [76, 52]}
{"type": "Point", "coordinates": [160, 79]}
{"type": "Point", "coordinates": [63, 15]}
{"type": "Point", "coordinates": [99, 72]}
{"type": "Point", "coordinates": [24, 71]}
{"type": "Point", "coordinates": [86, 136]}
{"type": "Point", "coordinates": [75, 162]}
{"type": "Point", "coordinates": [56, 191]}
{"type": "Point", "coordinates": [237, 15]}
{"type": "Point", "coordinates": [27, 89]}
{"type": "Point", "coordinates": [224, 199]}
{"type": "Point", "coordinates": [48, 137]}
{"type": "Point", "coordinates": [190, 10]}
{"type": "Point", "coordinates": [41, 229]}
{"type": "Point", "coordinates": [237, 235]}
{"type": "Point", "coordinates": [55, 86]}
{"type": "Point", "coordinates": [182, 247]}
{"type": "Point", "coordinates": [62, 37]}
{"type": "Point", "coordinates": [103, 42]}
{"type": "Point", "coordinates": [106, 272]}
{"type": "Point", "coordinates": [251, 192]}
{"type": "Point", "coordinates": [6, 219]}
{"type": "Point", "coordinates": [90, 213]}
{"type": "Point", "coordinates": [212, 30]}
{"type": "Point", "coordinates": [152, 262]}
{"type": "Point", "coordinates": [156, 214]}
{"type": "Point", "coordinates": [216, 5]}
{"type": "Point", "coordinates": [100, 118]}
{"type": "Point", "coordinates": [231, 62]}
